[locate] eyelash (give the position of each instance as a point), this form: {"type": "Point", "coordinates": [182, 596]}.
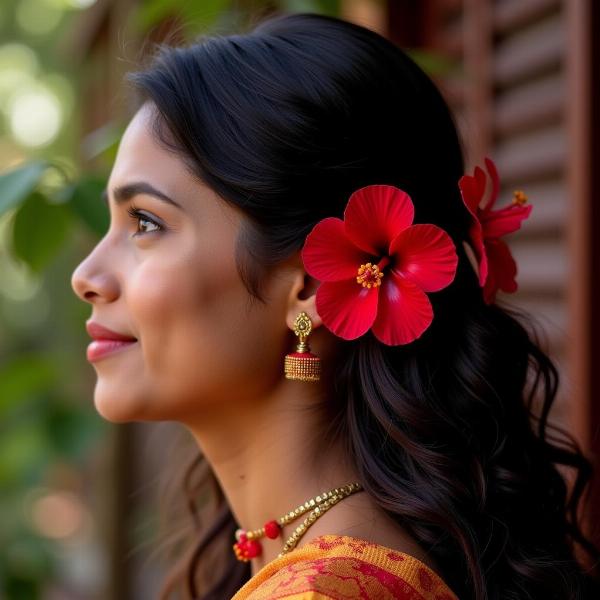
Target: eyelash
{"type": "Point", "coordinates": [134, 213]}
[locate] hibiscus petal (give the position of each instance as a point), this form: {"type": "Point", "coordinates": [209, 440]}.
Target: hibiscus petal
{"type": "Point", "coordinates": [476, 235]}
{"type": "Point", "coordinates": [426, 255]}
{"type": "Point", "coordinates": [497, 223]}
{"type": "Point", "coordinates": [490, 289]}
{"type": "Point", "coordinates": [375, 215]}
{"type": "Point", "coordinates": [472, 189]}
{"type": "Point", "coordinates": [328, 255]}
{"type": "Point", "coordinates": [404, 311]}
{"type": "Point", "coordinates": [491, 168]}
{"type": "Point", "coordinates": [502, 267]}
{"type": "Point", "coordinates": [346, 308]}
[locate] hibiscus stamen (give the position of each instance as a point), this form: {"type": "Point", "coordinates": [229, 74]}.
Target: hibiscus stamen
{"type": "Point", "coordinates": [519, 197]}
{"type": "Point", "coordinates": [369, 275]}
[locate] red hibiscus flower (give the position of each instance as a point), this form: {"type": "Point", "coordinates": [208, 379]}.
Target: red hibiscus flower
{"type": "Point", "coordinates": [497, 268]}
{"type": "Point", "coordinates": [375, 267]}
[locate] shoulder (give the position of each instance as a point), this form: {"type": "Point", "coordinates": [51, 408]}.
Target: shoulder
{"type": "Point", "coordinates": [307, 595]}
{"type": "Point", "coordinates": [363, 570]}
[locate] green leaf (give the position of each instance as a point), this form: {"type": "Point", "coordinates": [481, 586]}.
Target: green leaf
{"type": "Point", "coordinates": [200, 18]}
{"type": "Point", "coordinates": [39, 231]}
{"type": "Point", "coordinates": [432, 63]}
{"type": "Point", "coordinates": [195, 17]}
{"type": "Point", "coordinates": [28, 559]}
{"type": "Point", "coordinates": [153, 12]}
{"type": "Point", "coordinates": [17, 185]}
{"type": "Point", "coordinates": [17, 588]}
{"type": "Point", "coordinates": [331, 7]}
{"type": "Point", "coordinates": [22, 378]}
{"type": "Point", "coordinates": [103, 142]}
{"type": "Point", "coordinates": [23, 451]}
{"type": "Point", "coordinates": [85, 202]}
{"type": "Point", "coordinates": [71, 429]}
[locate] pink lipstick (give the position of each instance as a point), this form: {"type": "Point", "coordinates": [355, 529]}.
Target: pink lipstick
{"type": "Point", "coordinates": [106, 341]}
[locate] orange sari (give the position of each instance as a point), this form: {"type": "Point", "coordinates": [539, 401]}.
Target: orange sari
{"type": "Point", "coordinates": [336, 567]}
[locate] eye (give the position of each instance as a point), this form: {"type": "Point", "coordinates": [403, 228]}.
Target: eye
{"type": "Point", "coordinates": [136, 215]}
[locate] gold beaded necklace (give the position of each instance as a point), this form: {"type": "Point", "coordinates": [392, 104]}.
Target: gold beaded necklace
{"type": "Point", "coordinates": [247, 545]}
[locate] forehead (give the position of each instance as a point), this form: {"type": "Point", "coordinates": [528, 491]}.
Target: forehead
{"type": "Point", "coordinates": [141, 157]}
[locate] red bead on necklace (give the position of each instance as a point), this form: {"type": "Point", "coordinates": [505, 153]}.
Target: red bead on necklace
{"type": "Point", "coordinates": [247, 545]}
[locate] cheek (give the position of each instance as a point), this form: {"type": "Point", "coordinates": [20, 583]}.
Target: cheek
{"type": "Point", "coordinates": [200, 343]}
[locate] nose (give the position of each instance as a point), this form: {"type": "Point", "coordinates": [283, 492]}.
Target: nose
{"type": "Point", "coordinates": [94, 283]}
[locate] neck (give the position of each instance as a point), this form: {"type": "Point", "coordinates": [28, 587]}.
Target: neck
{"type": "Point", "coordinates": [269, 457]}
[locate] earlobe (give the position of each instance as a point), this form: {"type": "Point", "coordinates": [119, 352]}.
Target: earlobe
{"type": "Point", "coordinates": [303, 299]}
{"type": "Point", "coordinates": [309, 307]}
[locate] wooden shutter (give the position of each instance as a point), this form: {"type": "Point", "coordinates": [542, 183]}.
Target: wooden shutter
{"type": "Point", "coordinates": [510, 96]}
{"type": "Point", "coordinates": [522, 93]}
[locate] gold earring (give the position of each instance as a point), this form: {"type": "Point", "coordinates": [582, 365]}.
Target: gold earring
{"type": "Point", "coordinates": [302, 365]}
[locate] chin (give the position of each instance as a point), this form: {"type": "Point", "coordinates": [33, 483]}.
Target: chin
{"type": "Point", "coordinates": [118, 408]}
{"type": "Point", "coordinates": [112, 413]}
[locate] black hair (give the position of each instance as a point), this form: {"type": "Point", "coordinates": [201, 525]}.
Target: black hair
{"type": "Point", "coordinates": [449, 433]}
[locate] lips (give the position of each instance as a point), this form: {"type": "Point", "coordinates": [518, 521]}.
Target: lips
{"type": "Point", "coordinates": [106, 341]}
{"type": "Point", "coordinates": [99, 332]}
{"type": "Point", "coordinates": [103, 347]}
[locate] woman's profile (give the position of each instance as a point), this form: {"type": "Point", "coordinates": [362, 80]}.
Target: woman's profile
{"type": "Point", "coordinates": [300, 272]}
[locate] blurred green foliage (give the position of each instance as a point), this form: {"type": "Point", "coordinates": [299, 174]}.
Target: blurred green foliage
{"type": "Point", "coordinates": [43, 422]}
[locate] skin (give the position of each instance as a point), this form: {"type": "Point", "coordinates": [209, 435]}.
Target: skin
{"type": "Point", "coordinates": [210, 358]}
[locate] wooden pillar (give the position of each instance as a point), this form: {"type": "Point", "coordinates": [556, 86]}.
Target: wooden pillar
{"type": "Point", "coordinates": [583, 122]}
{"type": "Point", "coordinates": [409, 23]}
{"type": "Point", "coordinates": [479, 85]}
{"type": "Point", "coordinates": [594, 275]}
{"type": "Point", "coordinates": [578, 227]}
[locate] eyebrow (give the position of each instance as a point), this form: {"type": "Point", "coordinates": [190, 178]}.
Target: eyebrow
{"type": "Point", "coordinates": [126, 192]}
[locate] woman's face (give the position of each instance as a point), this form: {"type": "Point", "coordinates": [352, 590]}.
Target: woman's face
{"type": "Point", "coordinates": [200, 344]}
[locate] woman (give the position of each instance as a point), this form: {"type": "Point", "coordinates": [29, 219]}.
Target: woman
{"type": "Point", "coordinates": [302, 275]}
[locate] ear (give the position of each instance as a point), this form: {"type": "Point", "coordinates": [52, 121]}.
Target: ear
{"type": "Point", "coordinates": [302, 298]}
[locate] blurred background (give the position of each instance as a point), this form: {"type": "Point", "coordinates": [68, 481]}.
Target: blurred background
{"type": "Point", "coordinates": [78, 495]}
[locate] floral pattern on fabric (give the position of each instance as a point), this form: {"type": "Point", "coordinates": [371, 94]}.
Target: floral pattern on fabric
{"type": "Point", "coordinates": [345, 568]}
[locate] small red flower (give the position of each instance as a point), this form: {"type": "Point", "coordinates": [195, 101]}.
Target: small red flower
{"type": "Point", "coordinates": [375, 267]}
{"type": "Point", "coordinates": [497, 268]}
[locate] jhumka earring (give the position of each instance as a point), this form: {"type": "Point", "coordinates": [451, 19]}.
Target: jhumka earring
{"type": "Point", "coordinates": [302, 365]}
